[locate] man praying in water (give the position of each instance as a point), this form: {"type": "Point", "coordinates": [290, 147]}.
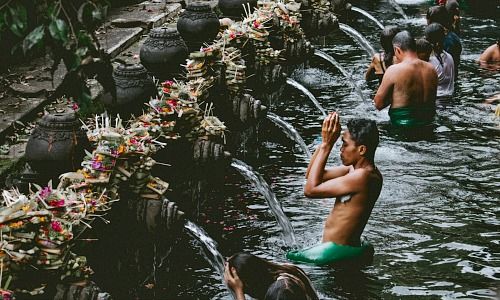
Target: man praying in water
{"type": "Point", "coordinates": [356, 186]}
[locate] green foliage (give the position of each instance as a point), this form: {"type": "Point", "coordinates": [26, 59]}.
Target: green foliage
{"type": "Point", "coordinates": [66, 28]}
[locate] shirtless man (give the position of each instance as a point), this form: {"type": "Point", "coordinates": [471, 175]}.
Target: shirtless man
{"type": "Point", "coordinates": [409, 87]}
{"type": "Point", "coordinates": [492, 53]}
{"type": "Point", "coordinates": [490, 58]}
{"type": "Point", "coordinates": [356, 186]}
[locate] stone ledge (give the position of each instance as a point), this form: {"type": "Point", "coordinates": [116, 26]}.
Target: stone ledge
{"type": "Point", "coordinates": [30, 94]}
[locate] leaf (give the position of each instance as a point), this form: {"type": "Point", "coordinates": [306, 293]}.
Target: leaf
{"type": "Point", "coordinates": [33, 38]}
{"type": "Point", "coordinates": [59, 30]}
{"type": "Point", "coordinates": [19, 20]}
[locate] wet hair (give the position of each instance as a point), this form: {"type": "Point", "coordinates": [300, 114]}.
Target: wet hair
{"type": "Point", "coordinates": [452, 7]}
{"type": "Point", "coordinates": [386, 37]}
{"type": "Point", "coordinates": [438, 14]}
{"type": "Point", "coordinates": [286, 287]}
{"type": "Point", "coordinates": [423, 46]}
{"type": "Point", "coordinates": [434, 33]}
{"type": "Point", "coordinates": [364, 132]}
{"type": "Point", "coordinates": [405, 41]}
{"type": "Point", "coordinates": [259, 275]}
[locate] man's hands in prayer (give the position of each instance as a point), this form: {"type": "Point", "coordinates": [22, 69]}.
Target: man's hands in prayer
{"type": "Point", "coordinates": [330, 132]}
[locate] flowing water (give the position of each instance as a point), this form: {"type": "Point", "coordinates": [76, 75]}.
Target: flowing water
{"type": "Point", "coordinates": [348, 76]}
{"type": "Point", "coordinates": [368, 15]}
{"type": "Point", "coordinates": [274, 205]}
{"type": "Point", "coordinates": [306, 92]}
{"type": "Point", "coordinates": [362, 41]}
{"type": "Point", "coordinates": [398, 8]}
{"type": "Point", "coordinates": [209, 249]}
{"type": "Point", "coordinates": [290, 132]}
{"type": "Point", "coordinates": [436, 224]}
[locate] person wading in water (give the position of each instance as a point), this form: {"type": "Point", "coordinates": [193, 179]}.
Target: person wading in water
{"type": "Point", "coordinates": [409, 87]}
{"type": "Point", "coordinates": [356, 186]}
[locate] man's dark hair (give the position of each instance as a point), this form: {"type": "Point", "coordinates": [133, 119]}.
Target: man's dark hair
{"type": "Point", "coordinates": [439, 14]}
{"type": "Point", "coordinates": [386, 37]}
{"type": "Point", "coordinates": [405, 41]}
{"type": "Point", "coordinates": [364, 132]}
{"type": "Point", "coordinates": [423, 45]}
{"type": "Point", "coordinates": [452, 7]}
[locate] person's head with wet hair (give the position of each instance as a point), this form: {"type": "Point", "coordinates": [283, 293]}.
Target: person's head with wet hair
{"type": "Point", "coordinates": [386, 37]}
{"type": "Point", "coordinates": [365, 133]}
{"type": "Point", "coordinates": [405, 41]}
{"type": "Point", "coordinates": [424, 49]}
{"type": "Point", "coordinates": [452, 7]}
{"type": "Point", "coordinates": [434, 33]}
{"type": "Point", "coordinates": [438, 14]}
{"type": "Point", "coordinates": [258, 275]}
{"type": "Point", "coordinates": [286, 287]}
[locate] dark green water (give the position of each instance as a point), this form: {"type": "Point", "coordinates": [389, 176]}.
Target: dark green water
{"type": "Point", "coordinates": [436, 225]}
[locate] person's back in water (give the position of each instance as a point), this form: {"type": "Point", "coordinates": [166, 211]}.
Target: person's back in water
{"type": "Point", "coordinates": [409, 86]}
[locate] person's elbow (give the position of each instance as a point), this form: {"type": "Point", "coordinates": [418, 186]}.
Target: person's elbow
{"type": "Point", "coordinates": [310, 192]}
{"type": "Point", "coordinates": [378, 103]}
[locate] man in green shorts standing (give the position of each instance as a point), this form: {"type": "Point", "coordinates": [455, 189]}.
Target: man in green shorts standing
{"type": "Point", "coordinates": [409, 87]}
{"type": "Point", "coordinates": [356, 186]}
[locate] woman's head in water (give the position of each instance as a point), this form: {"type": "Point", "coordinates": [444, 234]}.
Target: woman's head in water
{"type": "Point", "coordinates": [386, 37]}
{"type": "Point", "coordinates": [259, 275]}
{"type": "Point", "coordinates": [286, 287]}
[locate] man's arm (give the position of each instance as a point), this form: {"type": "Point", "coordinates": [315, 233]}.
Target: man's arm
{"type": "Point", "coordinates": [370, 72]}
{"type": "Point", "coordinates": [328, 173]}
{"type": "Point", "coordinates": [330, 132]}
{"type": "Point", "coordinates": [383, 97]}
{"type": "Point", "coordinates": [345, 185]}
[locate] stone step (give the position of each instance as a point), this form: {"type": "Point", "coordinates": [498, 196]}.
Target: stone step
{"type": "Point", "coordinates": [22, 101]}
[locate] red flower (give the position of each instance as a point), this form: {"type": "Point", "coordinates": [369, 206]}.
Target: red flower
{"type": "Point", "coordinates": [75, 106]}
{"type": "Point", "coordinates": [56, 226]}
{"type": "Point", "coordinates": [172, 102]}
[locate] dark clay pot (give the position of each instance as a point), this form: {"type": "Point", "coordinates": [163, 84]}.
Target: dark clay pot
{"type": "Point", "coordinates": [134, 87]}
{"type": "Point", "coordinates": [234, 8]}
{"type": "Point", "coordinates": [198, 24]}
{"type": "Point", "coordinates": [57, 145]}
{"type": "Point", "coordinates": [163, 52]}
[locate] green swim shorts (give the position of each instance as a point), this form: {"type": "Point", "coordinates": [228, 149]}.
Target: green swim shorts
{"type": "Point", "coordinates": [327, 253]}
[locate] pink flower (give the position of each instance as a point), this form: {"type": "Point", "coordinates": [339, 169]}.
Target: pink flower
{"type": "Point", "coordinates": [75, 106]}
{"type": "Point", "coordinates": [167, 83]}
{"type": "Point", "coordinates": [45, 192]}
{"type": "Point", "coordinates": [56, 226]}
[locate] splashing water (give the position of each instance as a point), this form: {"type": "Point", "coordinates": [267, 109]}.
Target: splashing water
{"type": "Point", "coordinates": [362, 41]}
{"type": "Point", "coordinates": [398, 8]}
{"type": "Point", "coordinates": [336, 64]}
{"type": "Point", "coordinates": [306, 92]}
{"type": "Point", "coordinates": [274, 205]}
{"type": "Point", "coordinates": [368, 15]}
{"type": "Point", "coordinates": [209, 249]}
{"type": "Point", "coordinates": [290, 131]}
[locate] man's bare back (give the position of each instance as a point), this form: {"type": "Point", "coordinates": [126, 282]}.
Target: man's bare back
{"type": "Point", "coordinates": [491, 54]}
{"type": "Point", "coordinates": [412, 82]}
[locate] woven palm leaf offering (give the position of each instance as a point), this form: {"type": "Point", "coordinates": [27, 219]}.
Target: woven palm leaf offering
{"type": "Point", "coordinates": [20, 220]}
